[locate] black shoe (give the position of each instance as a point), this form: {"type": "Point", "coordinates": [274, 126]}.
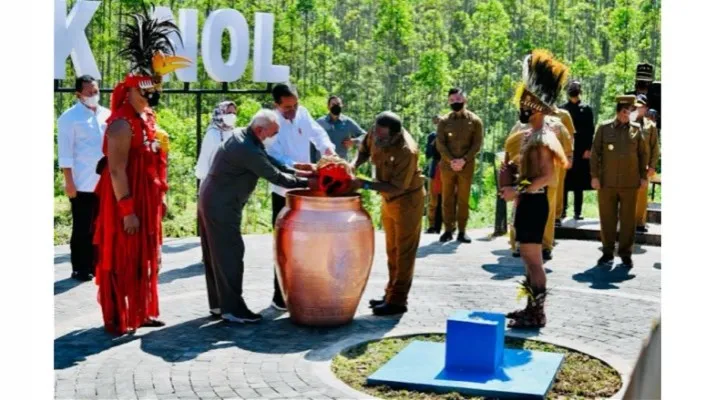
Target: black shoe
{"type": "Point", "coordinates": [446, 237]}
{"type": "Point", "coordinates": [627, 262]}
{"type": "Point", "coordinates": [432, 230]}
{"type": "Point", "coordinates": [153, 323]}
{"type": "Point", "coordinates": [215, 313]}
{"type": "Point", "coordinates": [558, 223]}
{"type": "Point", "coordinates": [463, 238]}
{"type": "Point", "coordinates": [376, 302]}
{"type": "Point", "coordinates": [547, 254]}
{"type": "Point", "coordinates": [516, 253]}
{"type": "Point", "coordinates": [81, 276]}
{"type": "Point", "coordinates": [604, 260]}
{"type": "Point", "coordinates": [246, 316]}
{"type": "Point", "coordinates": [578, 217]}
{"type": "Point", "coordinates": [389, 309]}
{"type": "Point", "coordinates": [279, 304]}
{"type": "Point", "coordinates": [642, 229]}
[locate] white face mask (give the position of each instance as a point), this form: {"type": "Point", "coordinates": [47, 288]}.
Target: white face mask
{"type": "Point", "coordinates": [91, 101]}
{"type": "Point", "coordinates": [634, 116]}
{"type": "Point", "coordinates": [229, 120]}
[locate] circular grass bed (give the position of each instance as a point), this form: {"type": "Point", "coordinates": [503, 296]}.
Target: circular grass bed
{"type": "Point", "coordinates": [580, 377]}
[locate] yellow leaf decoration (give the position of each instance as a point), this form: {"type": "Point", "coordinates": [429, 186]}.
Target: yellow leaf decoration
{"type": "Point", "coordinates": [162, 137]}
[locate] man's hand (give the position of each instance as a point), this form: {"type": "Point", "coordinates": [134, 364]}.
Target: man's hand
{"type": "Point", "coordinates": [457, 164]}
{"type": "Point", "coordinates": [508, 193]}
{"type": "Point", "coordinates": [305, 167]}
{"type": "Point", "coordinates": [587, 154]}
{"type": "Point", "coordinates": [304, 174]}
{"type": "Point", "coordinates": [313, 183]}
{"type": "Point", "coordinates": [329, 152]}
{"type": "Point", "coordinates": [164, 208]}
{"type": "Point", "coordinates": [131, 224]}
{"type": "Point", "coordinates": [570, 163]}
{"type": "Point", "coordinates": [644, 183]}
{"type": "Point", "coordinates": [651, 172]}
{"type": "Point", "coordinates": [347, 143]}
{"type": "Point", "coordinates": [70, 190]}
{"type": "Point", "coordinates": [595, 183]}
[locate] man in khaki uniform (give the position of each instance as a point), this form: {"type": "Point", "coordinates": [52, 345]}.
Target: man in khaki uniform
{"type": "Point", "coordinates": [565, 139]}
{"type": "Point", "coordinates": [618, 170]}
{"type": "Point", "coordinates": [459, 139]}
{"type": "Point", "coordinates": [567, 121]}
{"type": "Point", "coordinates": [651, 137]}
{"type": "Point", "coordinates": [399, 179]}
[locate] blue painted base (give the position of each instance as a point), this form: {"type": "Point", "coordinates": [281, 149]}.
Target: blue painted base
{"type": "Point", "coordinates": [420, 366]}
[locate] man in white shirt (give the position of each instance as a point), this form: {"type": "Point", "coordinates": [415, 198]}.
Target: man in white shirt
{"type": "Point", "coordinates": [292, 145]}
{"type": "Point", "coordinates": [80, 137]}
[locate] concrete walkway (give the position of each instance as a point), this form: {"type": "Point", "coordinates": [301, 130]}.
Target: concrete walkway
{"type": "Point", "coordinates": [607, 313]}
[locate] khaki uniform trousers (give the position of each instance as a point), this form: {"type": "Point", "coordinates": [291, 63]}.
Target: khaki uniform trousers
{"type": "Point", "coordinates": [456, 190]}
{"type": "Point", "coordinates": [617, 207]}
{"type": "Point", "coordinates": [402, 221]}
{"type": "Point", "coordinates": [642, 200]}
{"type": "Point", "coordinates": [560, 192]}
{"type": "Point", "coordinates": [549, 234]}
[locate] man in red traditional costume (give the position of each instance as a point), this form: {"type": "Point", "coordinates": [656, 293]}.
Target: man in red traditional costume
{"type": "Point", "coordinates": [133, 174]}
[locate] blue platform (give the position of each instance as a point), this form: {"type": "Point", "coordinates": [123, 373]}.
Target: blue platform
{"type": "Point", "coordinates": [473, 360]}
{"type": "Point", "coordinates": [420, 366]}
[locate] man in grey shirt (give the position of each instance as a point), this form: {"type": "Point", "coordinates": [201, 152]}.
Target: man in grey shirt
{"type": "Point", "coordinates": [342, 130]}
{"type": "Point", "coordinates": [232, 178]}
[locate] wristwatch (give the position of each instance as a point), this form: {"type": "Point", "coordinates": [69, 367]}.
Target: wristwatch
{"type": "Point", "coordinates": [366, 185]}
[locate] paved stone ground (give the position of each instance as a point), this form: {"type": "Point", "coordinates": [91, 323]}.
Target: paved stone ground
{"type": "Point", "coordinates": [605, 312]}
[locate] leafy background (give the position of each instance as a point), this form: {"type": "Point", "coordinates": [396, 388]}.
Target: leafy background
{"type": "Point", "coordinates": [401, 55]}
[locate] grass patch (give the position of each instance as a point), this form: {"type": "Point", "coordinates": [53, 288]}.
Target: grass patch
{"type": "Point", "coordinates": [580, 377]}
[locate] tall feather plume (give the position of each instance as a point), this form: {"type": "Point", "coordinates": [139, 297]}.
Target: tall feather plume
{"type": "Point", "coordinates": [144, 37]}
{"type": "Point", "coordinates": [546, 76]}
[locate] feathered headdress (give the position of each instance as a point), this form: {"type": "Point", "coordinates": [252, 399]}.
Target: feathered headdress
{"type": "Point", "coordinates": [543, 79]}
{"type": "Point", "coordinates": [149, 51]}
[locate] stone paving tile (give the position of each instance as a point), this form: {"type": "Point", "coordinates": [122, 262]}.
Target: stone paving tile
{"type": "Point", "coordinates": [195, 357]}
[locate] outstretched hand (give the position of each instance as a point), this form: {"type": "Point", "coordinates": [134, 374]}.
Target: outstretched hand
{"type": "Point", "coordinates": [305, 167]}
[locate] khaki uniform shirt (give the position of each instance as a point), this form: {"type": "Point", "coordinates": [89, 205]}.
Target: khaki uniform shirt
{"type": "Point", "coordinates": [618, 155]}
{"type": "Point", "coordinates": [459, 136]}
{"type": "Point", "coordinates": [397, 164]}
{"type": "Point", "coordinates": [651, 137]}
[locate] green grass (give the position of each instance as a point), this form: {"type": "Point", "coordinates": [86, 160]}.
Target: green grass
{"type": "Point", "coordinates": [580, 377]}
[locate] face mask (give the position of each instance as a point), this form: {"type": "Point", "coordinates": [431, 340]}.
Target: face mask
{"type": "Point", "coordinates": [91, 101]}
{"type": "Point", "coordinates": [574, 93]}
{"type": "Point", "coordinates": [634, 115]}
{"type": "Point", "coordinates": [456, 106]}
{"type": "Point", "coordinates": [525, 116]}
{"type": "Point", "coordinates": [336, 110]}
{"type": "Point", "coordinates": [152, 98]}
{"type": "Point", "coordinates": [229, 120]}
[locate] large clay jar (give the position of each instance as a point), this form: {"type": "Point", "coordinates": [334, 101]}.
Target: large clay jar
{"type": "Point", "coordinates": [324, 249]}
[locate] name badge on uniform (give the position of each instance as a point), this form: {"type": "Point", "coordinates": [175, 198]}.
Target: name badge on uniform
{"type": "Point", "coordinates": [450, 133]}
{"type": "Point", "coordinates": [610, 147]}
{"type": "Point", "coordinates": [392, 158]}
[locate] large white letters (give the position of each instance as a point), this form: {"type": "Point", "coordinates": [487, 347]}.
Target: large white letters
{"type": "Point", "coordinates": [70, 39]}
{"type": "Point", "coordinates": [217, 22]}
{"type": "Point", "coordinates": [263, 68]}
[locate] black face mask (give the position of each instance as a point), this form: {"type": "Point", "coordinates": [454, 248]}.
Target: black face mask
{"type": "Point", "coordinates": [456, 106]}
{"type": "Point", "coordinates": [152, 98]}
{"type": "Point", "coordinates": [574, 93]}
{"type": "Point", "coordinates": [525, 115]}
{"type": "Point", "coordinates": [336, 110]}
